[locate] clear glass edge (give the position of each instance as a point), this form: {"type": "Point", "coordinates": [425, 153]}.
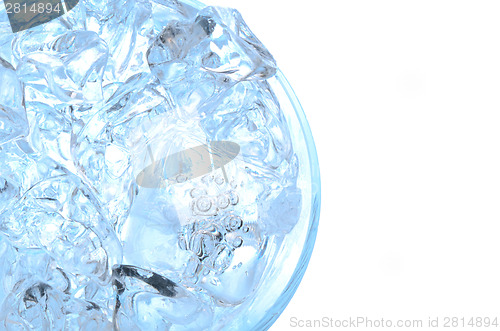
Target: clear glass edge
{"type": "Point", "coordinates": [285, 297]}
{"type": "Point", "coordinates": [287, 294]}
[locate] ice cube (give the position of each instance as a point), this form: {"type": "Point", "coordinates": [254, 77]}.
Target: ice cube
{"type": "Point", "coordinates": [216, 41]}
{"type": "Point", "coordinates": [146, 300]}
{"type": "Point", "coordinates": [37, 307]}
{"type": "Point", "coordinates": [233, 49]}
{"type": "Point", "coordinates": [165, 11]}
{"type": "Point", "coordinates": [85, 315]}
{"type": "Point", "coordinates": [60, 216]}
{"type": "Point", "coordinates": [13, 121]}
{"type": "Point", "coordinates": [240, 279]}
{"type": "Point", "coordinates": [199, 59]}
{"type": "Point", "coordinates": [104, 148]}
{"type": "Point", "coordinates": [150, 236]}
{"type": "Point", "coordinates": [279, 214]}
{"type": "Point", "coordinates": [251, 115]}
{"type": "Point", "coordinates": [70, 67]}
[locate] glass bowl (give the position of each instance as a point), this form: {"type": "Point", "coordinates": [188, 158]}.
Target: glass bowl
{"type": "Point", "coordinates": [106, 159]}
{"type": "Point", "coordinates": [293, 257]}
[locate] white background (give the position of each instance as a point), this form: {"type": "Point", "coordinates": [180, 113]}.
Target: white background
{"type": "Point", "coordinates": [403, 98]}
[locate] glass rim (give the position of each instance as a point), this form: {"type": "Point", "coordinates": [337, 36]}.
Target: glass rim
{"type": "Point", "coordinates": [286, 295]}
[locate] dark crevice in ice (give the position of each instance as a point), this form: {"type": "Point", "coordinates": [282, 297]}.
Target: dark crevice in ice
{"type": "Point", "coordinates": [164, 286]}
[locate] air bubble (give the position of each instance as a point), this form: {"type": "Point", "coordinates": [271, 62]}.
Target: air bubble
{"type": "Point", "coordinates": [237, 242]}
{"type": "Point", "coordinates": [233, 223]}
{"type": "Point", "coordinates": [219, 180]}
{"type": "Point", "coordinates": [204, 204]}
{"type": "Point", "coordinates": [233, 197]}
{"type": "Point", "coordinates": [222, 201]}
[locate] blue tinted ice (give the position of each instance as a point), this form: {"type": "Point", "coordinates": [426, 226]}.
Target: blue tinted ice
{"type": "Point", "coordinates": [147, 173]}
{"type": "Point", "coordinates": [13, 121]}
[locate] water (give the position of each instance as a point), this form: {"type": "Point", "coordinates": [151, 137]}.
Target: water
{"type": "Point", "coordinates": [146, 167]}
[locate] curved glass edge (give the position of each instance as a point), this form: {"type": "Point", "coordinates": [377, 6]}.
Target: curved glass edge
{"type": "Point", "coordinates": [275, 311]}
{"type": "Point", "coordinates": [287, 294]}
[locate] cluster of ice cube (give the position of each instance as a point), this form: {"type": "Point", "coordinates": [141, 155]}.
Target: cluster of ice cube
{"type": "Point", "coordinates": [89, 101]}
